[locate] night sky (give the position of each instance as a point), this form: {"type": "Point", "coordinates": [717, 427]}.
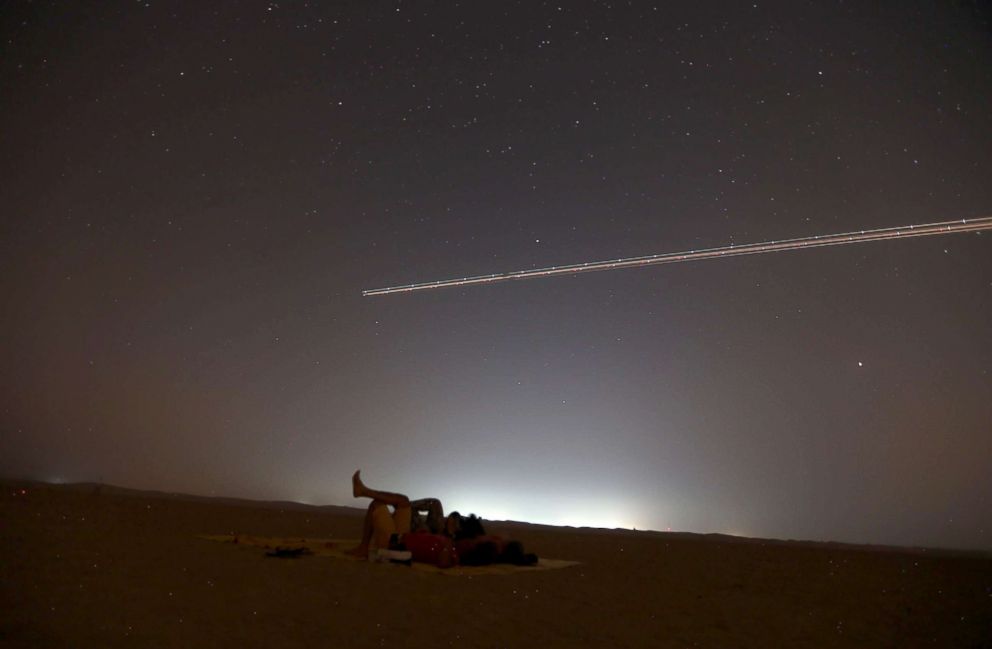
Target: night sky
{"type": "Point", "coordinates": [194, 195]}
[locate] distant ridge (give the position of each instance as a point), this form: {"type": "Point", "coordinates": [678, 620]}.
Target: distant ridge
{"type": "Point", "coordinates": [98, 489]}
{"type": "Point", "coordinates": [716, 537]}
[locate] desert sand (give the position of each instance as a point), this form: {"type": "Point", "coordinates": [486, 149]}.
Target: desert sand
{"type": "Point", "coordinates": [90, 566]}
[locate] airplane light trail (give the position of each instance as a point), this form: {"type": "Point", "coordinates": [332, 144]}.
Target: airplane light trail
{"type": "Point", "coordinates": [923, 230]}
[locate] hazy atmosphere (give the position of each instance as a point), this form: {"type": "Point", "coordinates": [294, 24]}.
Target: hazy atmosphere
{"type": "Point", "coordinates": [195, 195]}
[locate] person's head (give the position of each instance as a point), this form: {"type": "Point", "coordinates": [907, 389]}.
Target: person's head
{"type": "Point", "coordinates": [463, 527]}
{"type": "Point", "coordinates": [452, 524]}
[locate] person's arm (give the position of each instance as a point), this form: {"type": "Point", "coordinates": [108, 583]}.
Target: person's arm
{"type": "Point", "coordinates": [435, 513]}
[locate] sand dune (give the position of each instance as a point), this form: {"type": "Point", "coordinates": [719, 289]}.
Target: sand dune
{"type": "Point", "coordinates": [89, 566]}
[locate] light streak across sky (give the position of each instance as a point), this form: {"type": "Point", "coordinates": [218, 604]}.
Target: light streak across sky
{"type": "Point", "coordinates": [861, 236]}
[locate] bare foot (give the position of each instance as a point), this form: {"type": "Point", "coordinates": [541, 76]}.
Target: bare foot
{"type": "Point", "coordinates": [357, 486]}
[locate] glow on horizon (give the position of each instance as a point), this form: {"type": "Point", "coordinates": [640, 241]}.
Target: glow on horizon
{"type": "Point", "coordinates": [580, 512]}
{"type": "Point", "coordinates": [819, 241]}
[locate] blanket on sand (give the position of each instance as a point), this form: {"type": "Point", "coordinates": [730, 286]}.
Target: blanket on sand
{"type": "Point", "coordinates": [295, 546]}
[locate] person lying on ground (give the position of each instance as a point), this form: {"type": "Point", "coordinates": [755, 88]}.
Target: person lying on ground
{"type": "Point", "coordinates": [394, 522]}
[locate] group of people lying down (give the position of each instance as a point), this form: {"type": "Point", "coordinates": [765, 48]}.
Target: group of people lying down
{"type": "Point", "coordinates": [394, 522]}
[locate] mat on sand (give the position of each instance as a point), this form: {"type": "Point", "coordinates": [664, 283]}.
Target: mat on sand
{"type": "Point", "coordinates": [291, 546]}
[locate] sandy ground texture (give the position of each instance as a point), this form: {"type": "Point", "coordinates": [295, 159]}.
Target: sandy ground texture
{"type": "Point", "coordinates": [86, 566]}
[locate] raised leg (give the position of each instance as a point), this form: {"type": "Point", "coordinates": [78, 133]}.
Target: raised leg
{"type": "Point", "coordinates": [379, 524]}
{"type": "Point", "coordinates": [359, 490]}
{"type": "Point", "coordinates": [362, 549]}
